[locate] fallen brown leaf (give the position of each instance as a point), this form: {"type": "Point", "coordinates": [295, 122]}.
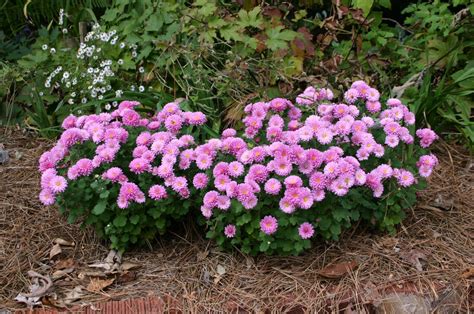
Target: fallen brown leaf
{"type": "Point", "coordinates": [96, 284]}
{"type": "Point", "coordinates": [129, 265]}
{"type": "Point", "coordinates": [335, 271]}
{"type": "Point", "coordinates": [63, 242]}
{"type": "Point", "coordinates": [126, 277]}
{"type": "Point", "coordinates": [65, 263]}
{"type": "Point", "coordinates": [413, 257]}
{"type": "Point", "coordinates": [61, 273]}
{"type": "Point", "coordinates": [55, 250]}
{"type": "Point", "coordinates": [73, 295]}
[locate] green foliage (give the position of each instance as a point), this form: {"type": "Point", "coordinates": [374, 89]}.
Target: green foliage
{"type": "Point", "coordinates": [18, 14]}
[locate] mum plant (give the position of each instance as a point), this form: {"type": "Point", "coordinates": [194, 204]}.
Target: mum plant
{"type": "Point", "coordinates": [312, 169]}
{"type": "Point", "coordinates": [123, 173]}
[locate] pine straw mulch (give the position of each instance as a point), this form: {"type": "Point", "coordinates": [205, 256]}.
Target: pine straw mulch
{"type": "Point", "coordinates": [436, 238]}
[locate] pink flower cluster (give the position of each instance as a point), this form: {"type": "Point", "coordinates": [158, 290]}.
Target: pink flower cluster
{"type": "Point", "coordinates": [300, 160]}
{"type": "Point", "coordinates": [157, 152]}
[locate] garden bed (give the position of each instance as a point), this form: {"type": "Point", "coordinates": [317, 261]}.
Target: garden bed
{"type": "Point", "coordinates": [430, 256]}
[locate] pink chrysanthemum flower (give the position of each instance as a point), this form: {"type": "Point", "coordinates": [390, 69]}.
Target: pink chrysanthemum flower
{"type": "Point", "coordinates": [282, 166]}
{"type": "Point", "coordinates": [306, 230]}
{"type": "Point", "coordinates": [392, 141]}
{"type": "Point", "coordinates": [244, 191]}
{"type": "Point", "coordinates": [258, 173]}
{"type": "Point", "coordinates": [203, 161]}
{"type": "Point", "coordinates": [210, 199]}
{"type": "Point", "coordinates": [221, 181]}
{"type": "Point", "coordinates": [372, 94]}
{"type": "Point", "coordinates": [130, 117]}
{"type": "Point", "coordinates": [46, 197]}
{"type": "Point", "coordinates": [114, 174]}
{"type": "Point", "coordinates": [425, 171]}
{"type": "Point", "coordinates": [279, 104]}
{"type": "Point", "coordinates": [426, 136]}
{"type": "Point", "coordinates": [393, 102]}
{"type": "Point", "coordinates": [269, 225]}
{"type": "Point", "coordinates": [317, 181]}
{"type": "Point", "coordinates": [287, 206]}
{"type": "Point", "coordinates": [318, 195]}
{"type": "Point", "coordinates": [324, 136]}
{"type": "Point", "coordinates": [306, 199]}
{"type": "Point", "coordinates": [229, 133]}
{"type": "Point", "coordinates": [58, 184]}
{"type": "Point", "coordinates": [139, 165]}
{"type": "Point", "coordinates": [157, 192]}
{"type": "Point", "coordinates": [206, 212]}
{"type": "Point", "coordinates": [272, 186]}
{"type": "Point", "coordinates": [236, 169]}
{"type": "Point", "coordinates": [200, 181]}
{"type": "Point", "coordinates": [179, 183]}
{"type": "Point", "coordinates": [250, 202]}
{"type": "Point", "coordinates": [293, 182]}
{"type": "Point", "coordinates": [405, 178]}
{"type": "Point", "coordinates": [223, 202]}
{"type": "Point", "coordinates": [220, 169]}
{"type": "Point", "coordinates": [46, 177]}
{"type": "Point", "coordinates": [230, 231]}
{"type": "Point", "coordinates": [69, 122]}
{"type": "Point", "coordinates": [351, 95]}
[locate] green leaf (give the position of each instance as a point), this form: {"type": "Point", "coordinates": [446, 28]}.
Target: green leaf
{"type": "Point", "coordinates": [340, 213]}
{"type": "Point", "coordinates": [250, 19]}
{"type": "Point", "coordinates": [155, 23]}
{"type": "Point", "coordinates": [365, 5]}
{"type": "Point", "coordinates": [264, 246]}
{"type": "Point", "coordinates": [385, 4]}
{"type": "Point", "coordinates": [279, 38]}
{"type": "Point", "coordinates": [99, 208]}
{"type": "Point", "coordinates": [120, 221]}
{"type": "Point", "coordinates": [134, 219]}
{"type": "Point", "coordinates": [104, 194]}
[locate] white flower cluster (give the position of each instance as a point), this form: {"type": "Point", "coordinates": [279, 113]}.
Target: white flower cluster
{"type": "Point", "coordinates": [93, 69]}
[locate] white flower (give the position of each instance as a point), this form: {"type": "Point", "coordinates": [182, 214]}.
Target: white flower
{"type": "Point", "coordinates": [47, 84]}
{"type": "Point", "coordinates": [41, 93]}
{"type": "Point", "coordinates": [70, 101]}
{"type": "Point", "coordinates": [134, 54]}
{"type": "Point", "coordinates": [122, 45]}
{"type": "Point", "coordinates": [66, 75]}
{"type": "Point", "coordinates": [84, 100]}
{"type": "Point", "coordinates": [52, 51]}
{"type": "Point", "coordinates": [120, 61]}
{"type": "Point", "coordinates": [73, 94]}
{"type": "Point", "coordinates": [118, 93]}
{"type": "Point", "coordinates": [108, 106]}
{"type": "Point", "coordinates": [114, 103]}
{"type": "Point", "coordinates": [132, 88]}
{"type": "Point", "coordinates": [64, 30]}
{"type": "Point", "coordinates": [141, 69]}
{"type": "Point", "coordinates": [141, 88]}
{"type": "Point", "coordinates": [100, 97]}
{"type": "Point", "coordinates": [44, 47]}
{"type": "Point", "coordinates": [61, 15]}
{"type": "Point", "coordinates": [79, 111]}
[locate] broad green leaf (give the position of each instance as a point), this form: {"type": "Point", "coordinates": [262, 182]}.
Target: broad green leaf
{"type": "Point", "coordinates": [365, 5]}
{"type": "Point", "coordinates": [250, 19]}
{"type": "Point", "coordinates": [99, 208]}
{"type": "Point", "coordinates": [120, 221]}
{"type": "Point", "coordinates": [155, 23]}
